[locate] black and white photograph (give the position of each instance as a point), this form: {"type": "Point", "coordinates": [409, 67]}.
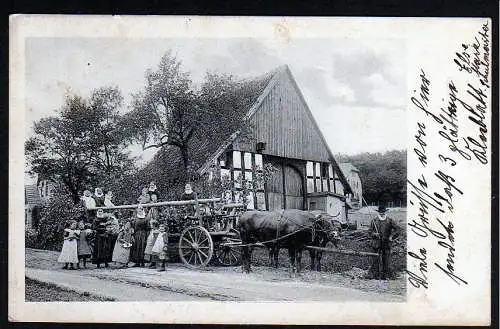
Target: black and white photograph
{"type": "Point", "coordinates": [203, 167]}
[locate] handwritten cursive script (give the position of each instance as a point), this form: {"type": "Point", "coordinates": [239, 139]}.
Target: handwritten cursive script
{"type": "Point", "coordinates": [458, 125]}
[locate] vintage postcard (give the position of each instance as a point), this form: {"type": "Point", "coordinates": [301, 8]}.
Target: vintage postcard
{"type": "Point", "coordinates": [250, 170]}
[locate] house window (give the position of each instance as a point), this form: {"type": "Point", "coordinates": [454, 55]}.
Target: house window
{"type": "Point", "coordinates": [237, 179]}
{"type": "Point", "coordinates": [258, 162]}
{"type": "Point", "coordinates": [324, 177]}
{"type": "Point", "coordinates": [237, 160]}
{"type": "Point", "coordinates": [331, 178]}
{"type": "Point", "coordinates": [245, 170]}
{"type": "Point", "coordinates": [319, 177]}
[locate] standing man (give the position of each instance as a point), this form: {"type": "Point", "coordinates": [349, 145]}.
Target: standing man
{"type": "Point", "coordinates": [382, 231]}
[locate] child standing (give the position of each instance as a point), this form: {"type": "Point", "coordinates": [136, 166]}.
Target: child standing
{"type": "Point", "coordinates": [160, 247]}
{"type": "Point", "coordinates": [153, 234]}
{"type": "Point", "coordinates": [84, 250]}
{"type": "Point", "coordinates": [125, 240]}
{"type": "Point", "coordinates": [69, 252]}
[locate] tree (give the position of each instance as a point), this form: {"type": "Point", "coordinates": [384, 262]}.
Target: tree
{"type": "Point", "coordinates": [383, 175]}
{"type": "Point", "coordinates": [81, 145]}
{"type": "Point", "coordinates": [169, 111]}
{"type": "Point", "coordinates": [166, 112]}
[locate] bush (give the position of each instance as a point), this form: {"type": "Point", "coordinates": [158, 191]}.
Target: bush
{"type": "Point", "coordinates": [59, 209]}
{"type": "Point", "coordinates": [30, 238]}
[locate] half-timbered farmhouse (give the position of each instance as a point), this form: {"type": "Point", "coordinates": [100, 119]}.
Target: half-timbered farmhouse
{"type": "Point", "coordinates": [284, 135]}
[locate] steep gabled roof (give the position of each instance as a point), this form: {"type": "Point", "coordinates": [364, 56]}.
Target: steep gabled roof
{"type": "Point", "coordinates": [32, 197]}
{"type": "Point", "coordinates": [278, 74]}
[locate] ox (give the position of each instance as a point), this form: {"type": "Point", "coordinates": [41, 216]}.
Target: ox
{"type": "Point", "coordinates": [293, 228]}
{"type": "Point", "coordinates": [320, 240]}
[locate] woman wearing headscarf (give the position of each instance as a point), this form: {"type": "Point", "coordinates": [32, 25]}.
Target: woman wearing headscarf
{"type": "Point", "coordinates": [89, 203]}
{"type": "Point", "coordinates": [107, 199]}
{"type": "Point", "coordinates": [141, 228]}
{"type": "Point", "coordinates": [153, 190]}
{"type": "Point", "coordinates": [102, 241]}
{"type": "Point", "coordinates": [144, 197]}
{"type": "Point", "coordinates": [189, 194]}
{"type": "Point", "coordinates": [99, 197]}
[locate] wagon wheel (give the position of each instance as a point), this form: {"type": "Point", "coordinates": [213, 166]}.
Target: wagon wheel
{"type": "Point", "coordinates": [228, 255]}
{"type": "Point", "coordinates": [195, 247]}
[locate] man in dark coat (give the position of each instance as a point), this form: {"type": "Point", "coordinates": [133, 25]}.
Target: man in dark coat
{"type": "Point", "coordinates": [382, 231]}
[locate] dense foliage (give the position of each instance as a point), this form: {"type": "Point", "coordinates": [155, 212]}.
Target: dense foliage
{"type": "Point", "coordinates": [383, 175]}
{"type": "Point", "coordinates": [83, 145]}
{"type": "Point", "coordinates": [174, 115]}
{"type": "Point", "coordinates": [59, 209]}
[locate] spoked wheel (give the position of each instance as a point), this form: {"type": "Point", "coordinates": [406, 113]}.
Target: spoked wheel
{"type": "Point", "coordinates": [228, 253]}
{"type": "Point", "coordinates": [195, 247]}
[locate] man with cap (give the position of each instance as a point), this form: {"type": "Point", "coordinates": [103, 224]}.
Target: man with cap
{"type": "Point", "coordinates": [382, 231]}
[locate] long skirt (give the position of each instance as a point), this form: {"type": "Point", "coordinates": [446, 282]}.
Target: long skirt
{"type": "Point", "coordinates": [69, 253]}
{"type": "Point", "coordinates": [137, 253]}
{"type": "Point", "coordinates": [103, 249]}
{"type": "Point", "coordinates": [121, 254]}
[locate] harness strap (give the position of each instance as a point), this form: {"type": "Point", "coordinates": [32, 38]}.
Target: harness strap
{"type": "Point", "coordinates": [269, 241]}
{"type": "Point", "coordinates": [278, 224]}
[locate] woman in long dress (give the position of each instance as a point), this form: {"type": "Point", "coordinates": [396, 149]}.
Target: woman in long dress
{"type": "Point", "coordinates": [121, 253]}
{"type": "Point", "coordinates": [89, 203]}
{"type": "Point", "coordinates": [140, 236]}
{"type": "Point", "coordinates": [69, 252]}
{"type": "Point", "coordinates": [102, 242]}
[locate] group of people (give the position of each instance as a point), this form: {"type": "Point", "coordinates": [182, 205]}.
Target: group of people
{"type": "Point", "coordinates": [140, 237]}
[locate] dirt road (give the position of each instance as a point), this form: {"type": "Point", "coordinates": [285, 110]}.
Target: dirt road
{"type": "Point", "coordinates": [213, 283]}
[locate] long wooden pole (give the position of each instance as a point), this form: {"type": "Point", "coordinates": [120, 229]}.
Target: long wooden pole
{"type": "Point", "coordinates": [345, 252]}
{"type": "Point", "coordinates": [351, 252]}
{"type": "Point", "coordinates": [170, 203]}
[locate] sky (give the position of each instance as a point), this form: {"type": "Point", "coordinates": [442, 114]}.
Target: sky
{"type": "Point", "coordinates": [355, 88]}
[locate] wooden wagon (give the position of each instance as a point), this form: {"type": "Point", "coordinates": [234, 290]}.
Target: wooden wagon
{"type": "Point", "coordinates": [208, 238]}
